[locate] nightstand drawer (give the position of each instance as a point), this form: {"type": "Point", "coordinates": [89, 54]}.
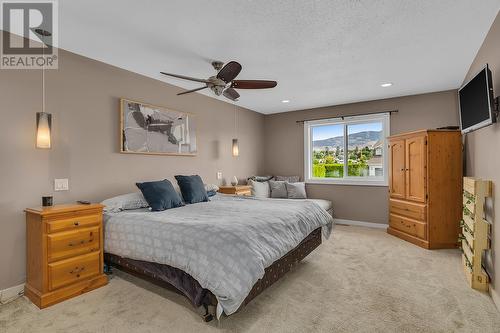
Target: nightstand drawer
{"type": "Point", "coordinates": [73, 270]}
{"type": "Point", "coordinates": [71, 243]}
{"type": "Point", "coordinates": [73, 222]}
{"type": "Point", "coordinates": [244, 192]}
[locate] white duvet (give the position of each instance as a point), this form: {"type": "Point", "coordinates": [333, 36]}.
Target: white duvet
{"type": "Point", "coordinates": [224, 244]}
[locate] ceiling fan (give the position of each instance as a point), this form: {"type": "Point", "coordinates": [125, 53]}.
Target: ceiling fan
{"type": "Point", "coordinates": [224, 82]}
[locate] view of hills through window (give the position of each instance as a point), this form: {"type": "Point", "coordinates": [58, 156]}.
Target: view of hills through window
{"type": "Point", "coordinates": [364, 150]}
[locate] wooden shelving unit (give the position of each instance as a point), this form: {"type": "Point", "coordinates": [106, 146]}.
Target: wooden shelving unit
{"type": "Point", "coordinates": [475, 231]}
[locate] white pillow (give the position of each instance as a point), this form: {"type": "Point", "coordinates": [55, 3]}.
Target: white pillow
{"type": "Point", "coordinates": [211, 187]}
{"type": "Point", "coordinates": [260, 189]}
{"type": "Point", "coordinates": [128, 201]}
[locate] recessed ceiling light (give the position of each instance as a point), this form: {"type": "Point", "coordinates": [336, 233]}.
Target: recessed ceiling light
{"type": "Point", "coordinates": [385, 85]}
{"type": "Point", "coordinates": [285, 101]}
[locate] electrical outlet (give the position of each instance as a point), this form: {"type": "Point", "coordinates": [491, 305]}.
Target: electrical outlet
{"type": "Point", "coordinates": [61, 184]}
{"type": "Point", "coordinates": [219, 175]}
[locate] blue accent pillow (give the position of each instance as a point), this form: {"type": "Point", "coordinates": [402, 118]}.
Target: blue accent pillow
{"type": "Point", "coordinates": [192, 189]}
{"type": "Point", "coordinates": [160, 195]}
{"type": "Point", "coordinates": [211, 193]}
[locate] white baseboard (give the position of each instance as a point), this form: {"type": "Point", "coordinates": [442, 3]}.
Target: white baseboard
{"type": "Point", "coordinates": [10, 294]}
{"type": "Point", "coordinates": [496, 299]}
{"type": "Point", "coordinates": [361, 223]}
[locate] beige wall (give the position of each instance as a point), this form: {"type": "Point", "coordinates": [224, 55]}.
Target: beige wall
{"type": "Point", "coordinates": [284, 150]}
{"type": "Point", "coordinates": [83, 99]}
{"type": "Point", "coordinates": [483, 148]}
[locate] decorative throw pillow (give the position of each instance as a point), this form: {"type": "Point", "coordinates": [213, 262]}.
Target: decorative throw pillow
{"type": "Point", "coordinates": [296, 190]}
{"type": "Point", "coordinates": [211, 193]}
{"type": "Point", "coordinates": [260, 189]}
{"type": "Point", "coordinates": [290, 179]}
{"type": "Point", "coordinates": [260, 179]}
{"type": "Point", "coordinates": [125, 202]}
{"type": "Point", "coordinates": [192, 189]}
{"type": "Point", "coordinates": [278, 189]}
{"type": "Point", "coordinates": [160, 195]}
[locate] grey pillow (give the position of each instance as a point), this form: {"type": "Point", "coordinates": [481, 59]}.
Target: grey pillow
{"type": "Point", "coordinates": [278, 189]}
{"type": "Point", "coordinates": [260, 189]}
{"type": "Point", "coordinates": [296, 190]}
{"type": "Point", "coordinates": [290, 179]}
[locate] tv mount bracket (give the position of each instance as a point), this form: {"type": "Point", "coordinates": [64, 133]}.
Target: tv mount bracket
{"type": "Point", "coordinates": [496, 106]}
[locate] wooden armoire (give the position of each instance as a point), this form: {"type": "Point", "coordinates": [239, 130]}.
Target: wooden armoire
{"type": "Point", "coordinates": [425, 187]}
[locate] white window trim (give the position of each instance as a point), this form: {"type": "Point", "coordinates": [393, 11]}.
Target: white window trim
{"type": "Point", "coordinates": [364, 181]}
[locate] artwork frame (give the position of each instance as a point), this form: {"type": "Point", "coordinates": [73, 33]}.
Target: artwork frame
{"type": "Point", "coordinates": [149, 129]}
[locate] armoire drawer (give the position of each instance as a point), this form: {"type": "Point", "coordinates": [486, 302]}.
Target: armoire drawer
{"type": "Point", "coordinates": [408, 209]}
{"type": "Point", "coordinates": [409, 226]}
{"type": "Point", "coordinates": [72, 270]}
{"type": "Point", "coordinates": [67, 244]}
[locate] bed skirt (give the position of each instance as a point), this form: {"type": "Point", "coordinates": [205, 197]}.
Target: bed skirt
{"type": "Point", "coordinates": [183, 283]}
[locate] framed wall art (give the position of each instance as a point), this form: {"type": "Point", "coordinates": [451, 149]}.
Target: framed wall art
{"type": "Point", "coordinates": [151, 129]}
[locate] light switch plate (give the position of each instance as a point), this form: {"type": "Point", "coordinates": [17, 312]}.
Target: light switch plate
{"type": "Point", "coordinates": [61, 184]}
{"type": "Point", "coordinates": [219, 175]}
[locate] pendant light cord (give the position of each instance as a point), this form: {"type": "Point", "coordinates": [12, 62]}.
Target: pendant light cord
{"type": "Point", "coordinates": [43, 74]}
{"type": "Point", "coordinates": [235, 123]}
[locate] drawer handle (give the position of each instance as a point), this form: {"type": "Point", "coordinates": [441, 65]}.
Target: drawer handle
{"type": "Point", "coordinates": [76, 223]}
{"type": "Point", "coordinates": [81, 242]}
{"type": "Point", "coordinates": [77, 271]}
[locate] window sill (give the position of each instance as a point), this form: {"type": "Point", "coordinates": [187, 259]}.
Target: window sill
{"type": "Point", "coordinates": [350, 182]}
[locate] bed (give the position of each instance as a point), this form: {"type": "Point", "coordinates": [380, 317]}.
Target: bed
{"type": "Point", "coordinates": [219, 254]}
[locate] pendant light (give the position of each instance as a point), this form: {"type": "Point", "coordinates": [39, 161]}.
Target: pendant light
{"type": "Point", "coordinates": [236, 149]}
{"type": "Point", "coordinates": [43, 119]}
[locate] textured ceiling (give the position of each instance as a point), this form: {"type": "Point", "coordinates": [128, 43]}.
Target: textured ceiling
{"type": "Point", "coordinates": [320, 52]}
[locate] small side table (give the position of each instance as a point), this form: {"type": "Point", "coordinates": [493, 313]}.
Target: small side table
{"type": "Point", "coordinates": [236, 190]}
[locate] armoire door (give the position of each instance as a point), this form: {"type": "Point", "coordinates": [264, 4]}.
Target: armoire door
{"type": "Point", "coordinates": [397, 169]}
{"type": "Point", "coordinates": [416, 168]}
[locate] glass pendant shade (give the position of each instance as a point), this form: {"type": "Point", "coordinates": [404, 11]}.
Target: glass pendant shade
{"type": "Point", "coordinates": [43, 126]}
{"type": "Point", "coordinates": [236, 150]}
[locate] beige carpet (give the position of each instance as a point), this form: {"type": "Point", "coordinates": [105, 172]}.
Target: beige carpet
{"type": "Point", "coordinates": [361, 280]}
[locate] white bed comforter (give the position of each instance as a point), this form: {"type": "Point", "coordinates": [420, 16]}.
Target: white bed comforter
{"type": "Point", "coordinates": [224, 244]}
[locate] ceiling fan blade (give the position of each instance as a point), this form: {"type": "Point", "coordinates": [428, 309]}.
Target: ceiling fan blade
{"type": "Point", "coordinates": [253, 84]}
{"type": "Point", "coordinates": [229, 71]}
{"type": "Point", "coordinates": [231, 94]}
{"type": "Point", "coordinates": [186, 77]}
{"type": "Point", "coordinates": [192, 90]}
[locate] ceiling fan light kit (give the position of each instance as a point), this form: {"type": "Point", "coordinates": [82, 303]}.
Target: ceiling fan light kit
{"type": "Point", "coordinates": [224, 82]}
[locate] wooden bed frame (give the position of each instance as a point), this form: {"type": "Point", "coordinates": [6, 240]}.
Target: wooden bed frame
{"type": "Point", "coordinates": [272, 273]}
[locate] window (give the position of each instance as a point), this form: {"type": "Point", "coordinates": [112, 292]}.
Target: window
{"type": "Point", "coordinates": [348, 150]}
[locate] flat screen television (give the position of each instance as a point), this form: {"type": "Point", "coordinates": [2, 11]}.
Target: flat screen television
{"type": "Point", "coordinates": [476, 102]}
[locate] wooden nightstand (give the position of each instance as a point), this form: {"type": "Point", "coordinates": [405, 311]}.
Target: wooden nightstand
{"type": "Point", "coordinates": [236, 190]}
{"type": "Point", "coordinates": [64, 252]}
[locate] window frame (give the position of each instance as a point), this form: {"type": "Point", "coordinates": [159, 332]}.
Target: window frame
{"type": "Point", "coordinates": [384, 118]}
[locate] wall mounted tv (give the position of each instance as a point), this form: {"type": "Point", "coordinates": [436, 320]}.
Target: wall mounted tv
{"type": "Point", "coordinates": [476, 102]}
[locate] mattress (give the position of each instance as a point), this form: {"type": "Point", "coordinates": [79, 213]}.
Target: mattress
{"type": "Point", "coordinates": [325, 204]}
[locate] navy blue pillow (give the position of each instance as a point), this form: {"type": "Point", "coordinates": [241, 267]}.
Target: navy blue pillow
{"type": "Point", "coordinates": [160, 195]}
{"type": "Point", "coordinates": [211, 193]}
{"type": "Point", "coordinates": [192, 189]}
